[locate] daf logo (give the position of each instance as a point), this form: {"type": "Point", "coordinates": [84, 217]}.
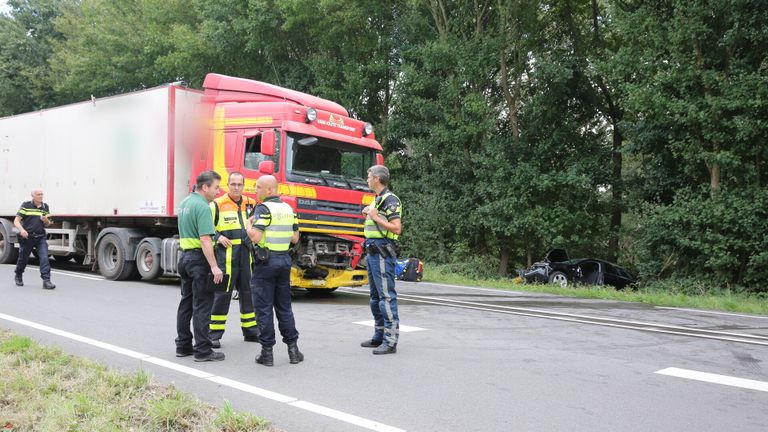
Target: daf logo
{"type": "Point", "coordinates": [306, 202]}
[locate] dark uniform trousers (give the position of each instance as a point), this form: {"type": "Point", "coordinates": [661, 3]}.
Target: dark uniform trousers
{"type": "Point", "coordinates": [271, 285]}
{"type": "Point", "coordinates": [195, 305]}
{"type": "Point", "coordinates": [240, 280]}
{"type": "Point", "coordinates": [39, 243]}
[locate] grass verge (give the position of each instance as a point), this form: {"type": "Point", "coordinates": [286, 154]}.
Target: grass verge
{"type": "Point", "coordinates": [673, 294]}
{"type": "Point", "coordinates": [44, 389]}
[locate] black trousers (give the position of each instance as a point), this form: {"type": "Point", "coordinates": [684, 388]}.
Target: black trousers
{"type": "Point", "coordinates": [271, 288]}
{"type": "Point", "coordinates": [236, 262]}
{"type": "Point", "coordinates": [195, 305]}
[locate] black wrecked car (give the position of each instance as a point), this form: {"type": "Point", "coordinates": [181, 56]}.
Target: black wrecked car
{"type": "Point", "coordinates": [557, 268]}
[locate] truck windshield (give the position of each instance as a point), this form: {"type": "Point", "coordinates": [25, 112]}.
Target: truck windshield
{"type": "Point", "coordinates": [327, 162]}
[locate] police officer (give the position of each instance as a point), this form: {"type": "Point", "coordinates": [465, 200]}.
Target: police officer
{"type": "Point", "coordinates": [196, 265]}
{"type": "Point", "coordinates": [274, 230]}
{"type": "Point", "coordinates": [382, 228]}
{"type": "Point", "coordinates": [230, 211]}
{"type": "Point", "coordinates": [31, 220]}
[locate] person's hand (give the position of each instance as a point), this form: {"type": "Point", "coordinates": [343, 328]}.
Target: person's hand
{"type": "Point", "coordinates": [24, 233]}
{"type": "Point", "coordinates": [45, 220]}
{"type": "Point", "coordinates": [372, 213]}
{"type": "Point", "coordinates": [225, 241]}
{"type": "Point", "coordinates": [218, 275]}
{"type": "Point", "coordinates": [366, 209]}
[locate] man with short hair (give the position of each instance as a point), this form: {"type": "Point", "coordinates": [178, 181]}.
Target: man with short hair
{"type": "Point", "coordinates": [196, 265]}
{"type": "Point", "coordinates": [382, 228]}
{"type": "Point", "coordinates": [31, 220]}
{"type": "Point", "coordinates": [274, 230]}
{"type": "Point", "coordinates": [230, 211]}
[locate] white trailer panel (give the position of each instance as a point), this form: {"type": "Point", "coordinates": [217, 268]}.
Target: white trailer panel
{"type": "Point", "coordinates": [103, 157]}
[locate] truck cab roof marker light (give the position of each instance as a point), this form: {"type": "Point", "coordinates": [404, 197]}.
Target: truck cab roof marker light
{"type": "Point", "coordinates": [367, 129]}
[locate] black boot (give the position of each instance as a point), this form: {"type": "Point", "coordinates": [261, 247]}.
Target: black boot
{"type": "Point", "coordinates": [266, 358]}
{"type": "Point", "coordinates": [294, 355]}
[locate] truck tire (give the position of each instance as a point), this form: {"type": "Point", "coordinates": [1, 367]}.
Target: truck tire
{"type": "Point", "coordinates": [113, 264]}
{"type": "Point", "coordinates": [148, 259]}
{"type": "Point", "coordinates": [8, 253]}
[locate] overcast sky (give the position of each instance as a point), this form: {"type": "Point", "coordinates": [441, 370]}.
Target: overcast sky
{"type": "Point", "coordinates": [4, 6]}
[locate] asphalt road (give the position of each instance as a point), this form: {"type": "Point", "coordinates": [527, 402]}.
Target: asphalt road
{"type": "Point", "coordinates": [471, 360]}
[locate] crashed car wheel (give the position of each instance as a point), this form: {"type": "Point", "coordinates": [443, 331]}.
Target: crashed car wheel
{"type": "Point", "coordinates": [558, 278]}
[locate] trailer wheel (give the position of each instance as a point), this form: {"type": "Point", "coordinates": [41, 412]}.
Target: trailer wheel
{"type": "Point", "coordinates": [113, 263]}
{"type": "Point", "coordinates": [8, 253]}
{"type": "Point", "coordinates": [148, 261]}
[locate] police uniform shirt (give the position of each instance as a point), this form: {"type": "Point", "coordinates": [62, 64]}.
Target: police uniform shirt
{"type": "Point", "coordinates": [390, 208]}
{"type": "Point", "coordinates": [264, 217]}
{"type": "Point", "coordinates": [30, 217]}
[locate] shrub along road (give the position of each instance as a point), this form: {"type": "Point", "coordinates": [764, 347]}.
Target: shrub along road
{"type": "Point", "coordinates": [469, 358]}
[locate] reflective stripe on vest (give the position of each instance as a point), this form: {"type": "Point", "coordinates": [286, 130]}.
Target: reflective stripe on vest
{"type": "Point", "coordinates": [277, 235]}
{"type": "Point", "coordinates": [229, 221]}
{"type": "Point", "coordinates": [372, 230]}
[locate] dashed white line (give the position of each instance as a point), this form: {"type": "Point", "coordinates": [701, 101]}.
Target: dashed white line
{"type": "Point", "coordinates": [257, 391]}
{"type": "Point", "coordinates": [715, 378]}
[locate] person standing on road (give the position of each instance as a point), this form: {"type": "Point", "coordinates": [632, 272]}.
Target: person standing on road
{"type": "Point", "coordinates": [31, 220]}
{"type": "Point", "coordinates": [196, 265]}
{"type": "Point", "coordinates": [230, 211]}
{"type": "Point", "coordinates": [382, 228]}
{"type": "Point", "coordinates": [273, 232]}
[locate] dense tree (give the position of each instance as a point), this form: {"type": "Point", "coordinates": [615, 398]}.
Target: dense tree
{"type": "Point", "coordinates": [626, 129]}
{"type": "Point", "coordinates": [26, 37]}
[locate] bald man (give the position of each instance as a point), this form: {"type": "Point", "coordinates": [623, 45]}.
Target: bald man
{"type": "Point", "coordinates": [31, 220]}
{"type": "Point", "coordinates": [274, 230]}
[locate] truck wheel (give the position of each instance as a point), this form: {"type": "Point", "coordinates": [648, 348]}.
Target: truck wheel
{"type": "Point", "coordinates": [113, 263]}
{"type": "Point", "coordinates": [8, 253]}
{"type": "Point", "coordinates": [148, 261]}
{"type": "Point", "coordinates": [558, 278]}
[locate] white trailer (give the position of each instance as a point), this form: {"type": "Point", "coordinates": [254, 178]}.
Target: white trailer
{"type": "Point", "coordinates": [113, 171]}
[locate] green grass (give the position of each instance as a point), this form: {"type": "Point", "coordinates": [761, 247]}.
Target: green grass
{"type": "Point", "coordinates": [686, 294]}
{"type": "Point", "coordinates": [44, 389]}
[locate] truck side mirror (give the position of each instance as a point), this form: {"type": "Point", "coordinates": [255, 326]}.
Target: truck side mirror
{"type": "Point", "coordinates": [266, 167]}
{"type": "Point", "coordinates": [267, 144]}
{"type": "Point", "coordinates": [379, 159]}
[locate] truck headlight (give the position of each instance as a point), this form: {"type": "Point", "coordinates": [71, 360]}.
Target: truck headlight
{"type": "Point", "coordinates": [367, 129]}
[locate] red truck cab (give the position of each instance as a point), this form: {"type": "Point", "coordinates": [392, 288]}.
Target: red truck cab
{"type": "Point", "coordinates": [320, 157]}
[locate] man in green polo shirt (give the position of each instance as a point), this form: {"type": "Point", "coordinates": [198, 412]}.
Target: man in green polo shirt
{"type": "Point", "coordinates": [196, 265]}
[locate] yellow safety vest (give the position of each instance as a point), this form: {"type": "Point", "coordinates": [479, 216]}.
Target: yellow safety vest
{"type": "Point", "coordinates": [371, 228]}
{"type": "Point", "coordinates": [279, 226]}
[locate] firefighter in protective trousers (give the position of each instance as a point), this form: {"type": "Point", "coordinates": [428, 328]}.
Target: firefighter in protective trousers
{"type": "Point", "coordinates": [382, 228]}
{"type": "Point", "coordinates": [230, 211]}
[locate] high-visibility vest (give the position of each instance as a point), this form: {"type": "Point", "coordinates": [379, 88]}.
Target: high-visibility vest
{"type": "Point", "coordinates": [371, 228]}
{"type": "Point", "coordinates": [229, 218]}
{"type": "Point", "coordinates": [279, 226]}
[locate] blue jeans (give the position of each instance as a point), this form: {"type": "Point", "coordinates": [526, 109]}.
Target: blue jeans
{"type": "Point", "coordinates": [40, 244]}
{"type": "Point", "coordinates": [381, 271]}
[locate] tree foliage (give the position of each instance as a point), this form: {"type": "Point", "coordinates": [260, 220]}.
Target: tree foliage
{"type": "Point", "coordinates": [624, 129]}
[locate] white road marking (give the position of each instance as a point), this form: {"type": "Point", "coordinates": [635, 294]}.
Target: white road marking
{"type": "Point", "coordinates": [712, 312]}
{"type": "Point", "coordinates": [348, 418]}
{"type": "Point", "coordinates": [403, 328]}
{"type": "Point", "coordinates": [307, 406]}
{"type": "Point", "coordinates": [64, 273]}
{"type": "Point", "coordinates": [561, 316]}
{"type": "Point", "coordinates": [715, 378]}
